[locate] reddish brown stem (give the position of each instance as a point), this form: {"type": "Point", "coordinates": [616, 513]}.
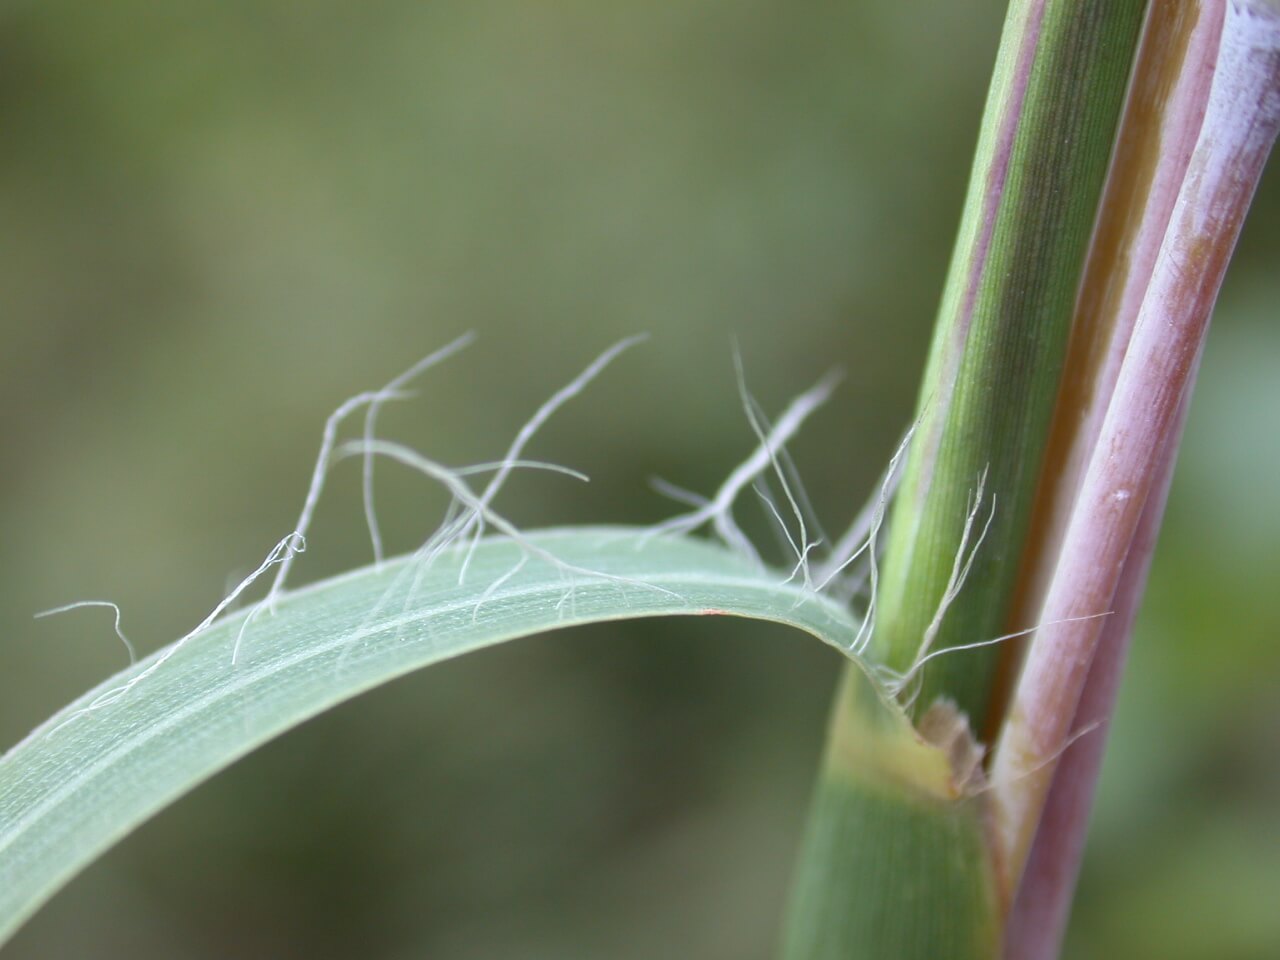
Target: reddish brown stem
{"type": "Point", "coordinates": [1039, 917]}
{"type": "Point", "coordinates": [1099, 562]}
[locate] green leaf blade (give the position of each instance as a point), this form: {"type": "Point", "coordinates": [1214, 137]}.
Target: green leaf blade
{"type": "Point", "coordinates": [88, 776]}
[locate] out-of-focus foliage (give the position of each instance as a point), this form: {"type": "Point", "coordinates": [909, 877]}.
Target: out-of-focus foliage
{"type": "Point", "coordinates": [223, 218]}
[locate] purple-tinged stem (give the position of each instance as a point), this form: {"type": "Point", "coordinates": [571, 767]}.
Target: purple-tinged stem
{"type": "Point", "coordinates": [1241, 120]}
{"type": "Point", "coordinates": [1038, 920]}
{"type": "Point", "coordinates": [1162, 121]}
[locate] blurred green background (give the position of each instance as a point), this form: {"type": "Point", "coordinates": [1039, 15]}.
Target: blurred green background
{"type": "Point", "coordinates": [222, 218]}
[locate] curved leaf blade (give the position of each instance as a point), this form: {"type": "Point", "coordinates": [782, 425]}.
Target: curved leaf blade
{"type": "Point", "coordinates": [91, 774]}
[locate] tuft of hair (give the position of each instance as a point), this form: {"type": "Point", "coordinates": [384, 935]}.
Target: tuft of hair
{"type": "Point", "coordinates": [133, 654]}
{"type": "Point", "coordinates": [768, 456]}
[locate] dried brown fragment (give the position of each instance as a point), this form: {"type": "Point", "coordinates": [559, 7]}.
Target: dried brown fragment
{"type": "Point", "coordinates": [947, 728]}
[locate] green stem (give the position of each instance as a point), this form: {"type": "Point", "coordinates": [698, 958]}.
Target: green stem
{"type": "Point", "coordinates": [894, 864]}
{"type": "Point", "coordinates": [1218, 162]}
{"type": "Point", "coordinates": [885, 871]}
{"type": "Point", "coordinates": [1002, 334]}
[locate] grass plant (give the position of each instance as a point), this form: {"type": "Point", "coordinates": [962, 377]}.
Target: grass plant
{"type": "Point", "coordinates": [983, 598]}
